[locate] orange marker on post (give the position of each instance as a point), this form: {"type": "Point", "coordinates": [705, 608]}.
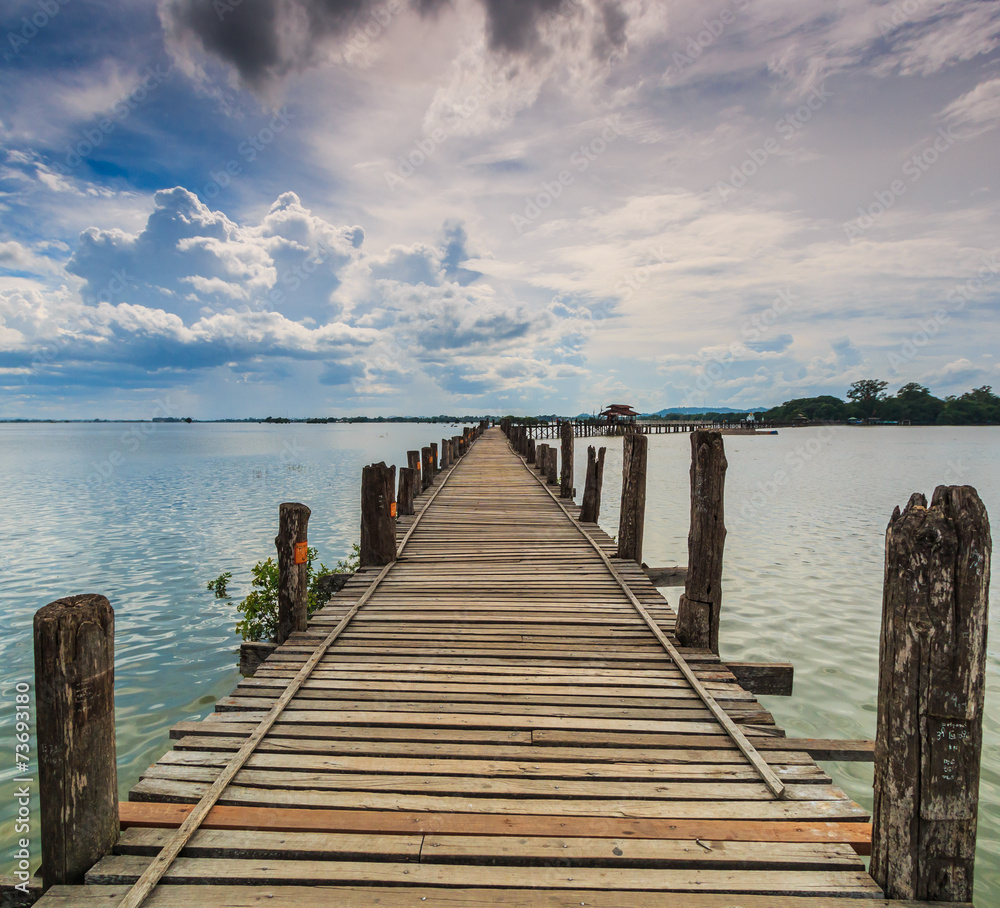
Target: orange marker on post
{"type": "Point", "coordinates": [392, 509]}
{"type": "Point", "coordinates": [301, 552]}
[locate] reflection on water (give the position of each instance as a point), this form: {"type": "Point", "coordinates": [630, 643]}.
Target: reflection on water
{"type": "Point", "coordinates": [806, 512]}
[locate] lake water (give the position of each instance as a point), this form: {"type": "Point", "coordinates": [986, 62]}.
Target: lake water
{"type": "Point", "coordinates": [147, 514]}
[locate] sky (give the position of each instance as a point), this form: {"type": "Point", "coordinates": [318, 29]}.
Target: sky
{"type": "Point", "coordinates": [240, 208]}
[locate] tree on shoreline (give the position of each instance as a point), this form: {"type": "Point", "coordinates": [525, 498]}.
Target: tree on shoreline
{"type": "Point", "coordinates": [912, 403]}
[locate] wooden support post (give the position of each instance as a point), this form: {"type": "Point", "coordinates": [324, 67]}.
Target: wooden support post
{"type": "Point", "coordinates": [633, 506]}
{"type": "Point", "coordinates": [435, 469]}
{"type": "Point", "coordinates": [407, 489]}
{"type": "Point", "coordinates": [531, 450]}
{"type": "Point", "coordinates": [542, 459]}
{"type": "Point", "coordinates": [700, 605]}
{"type": "Point", "coordinates": [378, 523]}
{"type": "Point", "coordinates": [75, 716]}
{"type": "Point", "coordinates": [293, 579]}
{"type": "Point", "coordinates": [445, 453]}
{"type": "Point", "coordinates": [591, 508]}
{"type": "Point", "coordinates": [566, 473]}
{"type": "Point", "coordinates": [413, 462]}
{"type": "Point", "coordinates": [932, 660]}
{"type": "Point", "coordinates": [426, 471]}
{"type": "Point", "coordinates": [552, 465]}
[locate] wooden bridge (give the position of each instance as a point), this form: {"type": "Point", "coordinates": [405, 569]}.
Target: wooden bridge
{"type": "Point", "coordinates": [500, 716]}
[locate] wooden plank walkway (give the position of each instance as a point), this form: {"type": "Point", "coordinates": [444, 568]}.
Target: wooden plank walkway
{"type": "Point", "coordinates": [496, 725]}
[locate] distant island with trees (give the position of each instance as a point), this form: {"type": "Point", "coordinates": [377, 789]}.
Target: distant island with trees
{"type": "Point", "coordinates": [866, 401]}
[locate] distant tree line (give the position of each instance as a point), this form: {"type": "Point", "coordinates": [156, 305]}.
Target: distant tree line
{"type": "Point", "coordinates": [868, 399]}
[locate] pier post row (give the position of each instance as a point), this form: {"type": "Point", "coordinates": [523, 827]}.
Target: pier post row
{"type": "Point", "coordinates": [378, 518]}
{"type": "Point", "coordinates": [932, 668]}
{"type": "Point", "coordinates": [590, 511]}
{"type": "Point", "coordinates": [75, 726]}
{"type": "Point", "coordinates": [293, 581]}
{"type": "Point", "coordinates": [566, 474]}
{"type": "Point", "coordinates": [700, 606]}
{"type": "Point", "coordinates": [633, 503]}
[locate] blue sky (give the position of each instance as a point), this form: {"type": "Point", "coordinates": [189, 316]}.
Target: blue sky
{"type": "Point", "coordinates": [329, 207]}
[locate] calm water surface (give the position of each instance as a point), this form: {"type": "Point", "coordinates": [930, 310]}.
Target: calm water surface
{"type": "Point", "coordinates": [146, 518]}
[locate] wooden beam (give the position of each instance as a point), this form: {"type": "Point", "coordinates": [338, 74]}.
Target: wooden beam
{"type": "Point", "coordinates": [774, 678]}
{"type": "Point", "coordinates": [167, 816]}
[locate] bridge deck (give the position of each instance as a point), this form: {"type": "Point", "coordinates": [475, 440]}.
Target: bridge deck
{"type": "Point", "coordinates": [497, 725]}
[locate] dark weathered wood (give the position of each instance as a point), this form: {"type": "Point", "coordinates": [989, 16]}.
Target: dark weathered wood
{"type": "Point", "coordinates": [633, 501]}
{"type": "Point", "coordinates": [590, 510]}
{"type": "Point", "coordinates": [566, 473]}
{"type": "Point", "coordinates": [773, 678]}
{"type": "Point", "coordinates": [700, 606]}
{"type": "Point", "coordinates": [407, 492]}
{"type": "Point", "coordinates": [459, 445]}
{"type": "Point", "coordinates": [841, 750]}
{"type": "Point", "coordinates": [426, 468]}
{"type": "Point", "coordinates": [293, 579]}
{"type": "Point", "coordinates": [252, 654]}
{"type": "Point", "coordinates": [17, 893]}
{"type": "Point", "coordinates": [378, 526]}
{"type": "Point", "coordinates": [531, 450]}
{"type": "Point", "coordinates": [445, 453]}
{"type": "Point", "coordinates": [932, 660]}
{"type": "Point", "coordinates": [665, 576]}
{"type": "Point", "coordinates": [542, 462]}
{"type": "Point", "coordinates": [75, 716]}
{"type": "Point", "coordinates": [552, 465]}
{"type": "Point", "coordinates": [435, 467]}
{"type": "Point", "coordinates": [413, 462]}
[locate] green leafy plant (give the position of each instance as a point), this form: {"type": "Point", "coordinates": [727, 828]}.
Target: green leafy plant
{"type": "Point", "coordinates": [260, 608]}
{"type": "Point", "coordinates": [219, 585]}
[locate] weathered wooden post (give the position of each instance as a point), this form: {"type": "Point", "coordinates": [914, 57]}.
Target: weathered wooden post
{"type": "Point", "coordinates": [590, 511]}
{"type": "Point", "coordinates": [932, 660]}
{"type": "Point", "coordinates": [700, 605]}
{"type": "Point", "coordinates": [552, 465]}
{"type": "Point", "coordinates": [413, 462]}
{"type": "Point", "coordinates": [378, 515]}
{"type": "Point", "coordinates": [531, 450]}
{"type": "Point", "coordinates": [445, 453]}
{"type": "Point", "coordinates": [407, 488]}
{"type": "Point", "coordinates": [75, 716]}
{"type": "Point", "coordinates": [293, 580]}
{"type": "Point", "coordinates": [633, 506]}
{"type": "Point", "coordinates": [463, 446]}
{"type": "Point", "coordinates": [566, 473]}
{"type": "Point", "coordinates": [426, 470]}
{"type": "Point", "coordinates": [435, 468]}
{"type": "Point", "coordinates": [542, 458]}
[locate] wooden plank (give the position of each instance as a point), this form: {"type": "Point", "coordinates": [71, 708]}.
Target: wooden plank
{"type": "Point", "coordinates": [127, 868]}
{"type": "Point", "coordinates": [229, 896]}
